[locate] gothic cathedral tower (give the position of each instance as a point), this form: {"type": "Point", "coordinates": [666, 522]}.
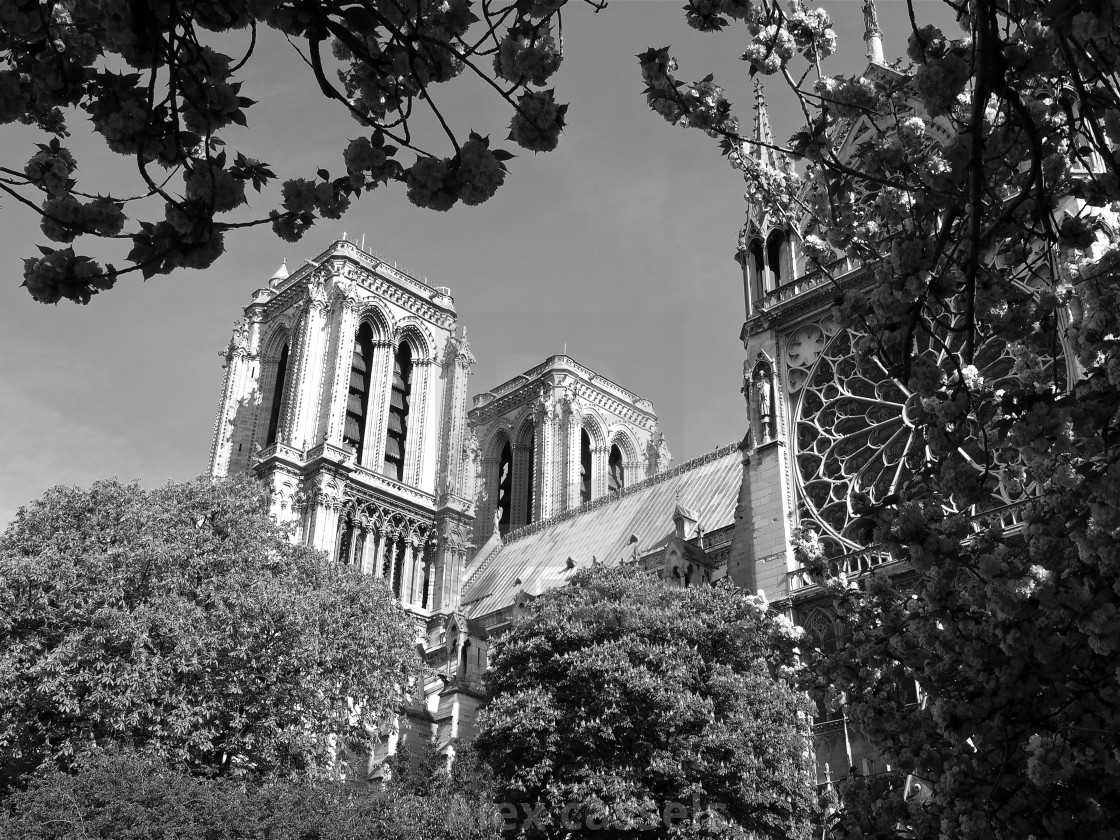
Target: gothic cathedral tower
{"type": "Point", "coordinates": [346, 390]}
{"type": "Point", "coordinates": [767, 254]}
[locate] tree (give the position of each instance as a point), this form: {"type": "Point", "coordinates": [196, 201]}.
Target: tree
{"type": "Point", "coordinates": [619, 704]}
{"type": "Point", "coordinates": [183, 623]}
{"type": "Point", "coordinates": [979, 208]}
{"type": "Point", "coordinates": [140, 797]}
{"type": "Point", "coordinates": [151, 79]}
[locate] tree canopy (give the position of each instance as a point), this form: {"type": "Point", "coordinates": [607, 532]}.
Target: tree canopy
{"type": "Point", "coordinates": [183, 623]}
{"type": "Point", "coordinates": [618, 704]}
{"type": "Point", "coordinates": [964, 198]}
{"type": "Point", "coordinates": [153, 81]}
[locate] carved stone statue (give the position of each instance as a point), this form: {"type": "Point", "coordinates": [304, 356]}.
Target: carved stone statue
{"type": "Point", "coordinates": [762, 386]}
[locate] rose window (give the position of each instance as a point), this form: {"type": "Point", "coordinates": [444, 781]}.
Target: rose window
{"type": "Point", "coordinates": [855, 429]}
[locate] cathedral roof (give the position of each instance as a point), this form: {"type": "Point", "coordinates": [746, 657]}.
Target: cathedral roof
{"type": "Point", "coordinates": [535, 558]}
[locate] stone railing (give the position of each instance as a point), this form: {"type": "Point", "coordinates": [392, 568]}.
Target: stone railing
{"type": "Point", "coordinates": [849, 565]}
{"type": "Point", "coordinates": [1008, 518]}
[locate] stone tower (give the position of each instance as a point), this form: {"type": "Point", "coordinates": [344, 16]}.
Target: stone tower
{"type": "Point", "coordinates": [557, 437]}
{"type": "Point", "coordinates": [346, 390]}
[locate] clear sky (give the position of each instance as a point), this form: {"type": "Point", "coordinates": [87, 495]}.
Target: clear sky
{"type": "Point", "coordinates": [618, 245]}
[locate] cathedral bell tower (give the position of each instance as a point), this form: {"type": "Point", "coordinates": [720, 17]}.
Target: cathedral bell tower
{"type": "Point", "coordinates": [345, 391]}
{"type": "Point", "coordinates": [767, 254]}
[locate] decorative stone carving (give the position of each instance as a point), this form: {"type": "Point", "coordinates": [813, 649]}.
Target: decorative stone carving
{"type": "Point", "coordinates": [855, 432]}
{"type": "Point", "coordinates": [763, 389]}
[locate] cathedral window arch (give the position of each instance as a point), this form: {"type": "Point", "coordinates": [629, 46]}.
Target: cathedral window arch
{"type": "Point", "coordinates": [756, 269]}
{"type": "Point", "coordinates": [584, 466]}
{"type": "Point", "coordinates": [616, 472]}
{"type": "Point", "coordinates": [503, 500]}
{"type": "Point", "coordinates": [278, 389]}
{"type": "Point", "coordinates": [775, 260]}
{"type": "Point", "coordinates": [357, 396]}
{"type": "Point", "coordinates": [396, 435]}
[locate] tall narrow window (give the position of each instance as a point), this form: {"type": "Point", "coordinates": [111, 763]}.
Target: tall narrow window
{"type": "Point", "coordinates": [357, 398]}
{"type": "Point", "coordinates": [529, 479]}
{"type": "Point", "coordinates": [398, 413]}
{"type": "Point", "coordinates": [774, 257]}
{"type": "Point", "coordinates": [505, 485]}
{"type": "Point", "coordinates": [584, 467]}
{"type": "Point", "coordinates": [616, 478]}
{"type": "Point", "coordinates": [277, 397]}
{"type": "Point", "coordinates": [758, 266]}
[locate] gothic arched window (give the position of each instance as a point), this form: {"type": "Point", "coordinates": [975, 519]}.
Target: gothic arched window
{"type": "Point", "coordinates": [616, 476]}
{"type": "Point", "coordinates": [774, 254]}
{"type": "Point", "coordinates": [584, 467]}
{"type": "Point", "coordinates": [757, 263]}
{"type": "Point", "coordinates": [277, 396]}
{"type": "Point", "coordinates": [505, 485]}
{"type": "Point", "coordinates": [398, 412]}
{"type": "Point", "coordinates": [357, 398]}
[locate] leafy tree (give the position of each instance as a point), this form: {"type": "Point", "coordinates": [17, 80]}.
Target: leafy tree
{"type": "Point", "coordinates": [150, 78]}
{"type": "Point", "coordinates": [141, 798]}
{"type": "Point", "coordinates": [182, 622]}
{"type": "Point", "coordinates": [978, 211]}
{"type": "Point", "coordinates": [621, 704]}
{"type": "Point", "coordinates": [419, 770]}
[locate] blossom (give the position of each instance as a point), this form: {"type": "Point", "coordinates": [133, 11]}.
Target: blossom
{"type": "Point", "coordinates": [527, 54]}
{"type": "Point", "coordinates": [480, 172]}
{"type": "Point", "coordinates": [538, 122]}
{"type": "Point", "coordinates": [770, 49]}
{"type": "Point", "coordinates": [429, 184]}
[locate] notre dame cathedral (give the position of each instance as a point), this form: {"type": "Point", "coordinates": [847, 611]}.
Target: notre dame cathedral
{"type": "Point", "coordinates": [346, 390]}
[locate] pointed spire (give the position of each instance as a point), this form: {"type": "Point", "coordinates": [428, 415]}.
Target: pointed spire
{"type": "Point", "coordinates": [763, 137]}
{"type": "Point", "coordinates": [873, 35]}
{"type": "Point", "coordinates": [280, 275]}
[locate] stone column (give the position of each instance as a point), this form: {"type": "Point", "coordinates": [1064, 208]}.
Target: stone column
{"type": "Point", "coordinates": [520, 514]}
{"type": "Point", "coordinates": [391, 561]}
{"type": "Point", "coordinates": [572, 461]}
{"type": "Point", "coordinates": [238, 383]}
{"type": "Point", "coordinates": [544, 493]}
{"type": "Point", "coordinates": [484, 518]}
{"type": "Point", "coordinates": [408, 571]}
{"type": "Point", "coordinates": [600, 455]}
{"type": "Point", "coordinates": [377, 405]}
{"type": "Point", "coordinates": [430, 571]}
{"type": "Point", "coordinates": [416, 437]}
{"type": "Point", "coordinates": [302, 410]}
{"type": "Point", "coordinates": [451, 479]}
{"type": "Point", "coordinates": [340, 376]}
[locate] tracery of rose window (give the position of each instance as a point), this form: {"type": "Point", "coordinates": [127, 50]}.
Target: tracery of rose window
{"type": "Point", "coordinates": [854, 425]}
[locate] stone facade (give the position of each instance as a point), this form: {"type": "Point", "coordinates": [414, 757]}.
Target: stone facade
{"type": "Point", "coordinates": [346, 390]}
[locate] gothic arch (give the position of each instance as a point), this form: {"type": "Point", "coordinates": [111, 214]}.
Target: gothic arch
{"type": "Point", "coordinates": [277, 358]}
{"type": "Point", "coordinates": [380, 321]}
{"type": "Point", "coordinates": [274, 342]}
{"type": "Point", "coordinates": [499, 436]}
{"type": "Point", "coordinates": [525, 427]}
{"type": "Point", "coordinates": [624, 440]}
{"type": "Point", "coordinates": [592, 421]}
{"type": "Point", "coordinates": [821, 628]}
{"type": "Point", "coordinates": [413, 331]}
